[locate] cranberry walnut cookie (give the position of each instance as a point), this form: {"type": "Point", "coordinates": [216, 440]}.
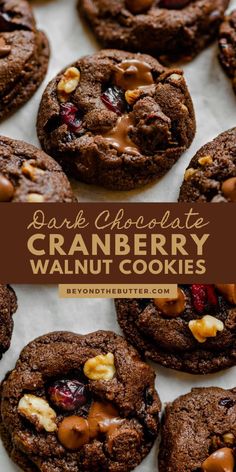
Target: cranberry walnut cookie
{"type": "Point", "coordinates": [8, 306]}
{"type": "Point", "coordinates": [28, 175]}
{"type": "Point", "coordinates": [196, 332]}
{"type": "Point", "coordinates": [211, 174]}
{"type": "Point", "coordinates": [24, 55]}
{"type": "Point", "coordinates": [199, 431]}
{"type": "Point", "coordinates": [173, 28]}
{"type": "Point", "coordinates": [116, 119]}
{"type": "Point", "coordinates": [79, 403]}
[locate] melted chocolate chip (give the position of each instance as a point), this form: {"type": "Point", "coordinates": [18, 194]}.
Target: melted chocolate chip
{"type": "Point", "coordinates": [139, 6]}
{"type": "Point", "coordinates": [6, 189]}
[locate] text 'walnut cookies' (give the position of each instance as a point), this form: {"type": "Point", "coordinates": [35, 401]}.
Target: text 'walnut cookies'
{"type": "Point", "coordinates": [8, 306]}
{"type": "Point", "coordinates": [79, 403]}
{"type": "Point", "coordinates": [227, 46]}
{"type": "Point", "coordinates": [211, 174]}
{"type": "Point", "coordinates": [27, 174]}
{"type": "Point", "coordinates": [199, 432]}
{"type": "Point", "coordinates": [24, 55]}
{"type": "Point", "coordinates": [176, 28]}
{"type": "Point", "coordinates": [116, 119]}
{"type": "Point", "coordinates": [196, 332]}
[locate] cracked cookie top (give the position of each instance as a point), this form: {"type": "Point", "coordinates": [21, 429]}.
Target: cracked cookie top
{"type": "Point", "coordinates": [194, 332]}
{"type": "Point", "coordinates": [116, 119]}
{"type": "Point", "coordinates": [75, 401]}
{"type": "Point", "coordinates": [27, 174]}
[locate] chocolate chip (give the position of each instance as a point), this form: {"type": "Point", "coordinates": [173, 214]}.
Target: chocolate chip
{"type": "Point", "coordinates": [139, 6]}
{"type": "Point", "coordinates": [9, 21]}
{"type": "Point", "coordinates": [143, 303]}
{"type": "Point", "coordinates": [6, 189]}
{"type": "Point", "coordinates": [148, 397]}
{"type": "Point", "coordinates": [52, 124]}
{"type": "Point", "coordinates": [227, 402]}
{"type": "Point", "coordinates": [174, 4]}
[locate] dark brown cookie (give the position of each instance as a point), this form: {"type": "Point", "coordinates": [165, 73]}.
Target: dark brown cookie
{"type": "Point", "coordinates": [176, 28]}
{"type": "Point", "coordinates": [8, 306]}
{"type": "Point", "coordinates": [227, 46]}
{"type": "Point", "coordinates": [195, 333]}
{"type": "Point", "coordinates": [199, 432]}
{"type": "Point", "coordinates": [27, 174]}
{"type": "Point", "coordinates": [211, 174]}
{"type": "Point", "coordinates": [79, 403]}
{"type": "Point", "coordinates": [24, 55]}
{"type": "Point", "coordinates": [116, 119]}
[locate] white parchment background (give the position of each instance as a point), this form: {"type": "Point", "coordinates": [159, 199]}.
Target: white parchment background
{"type": "Point", "coordinates": [40, 309]}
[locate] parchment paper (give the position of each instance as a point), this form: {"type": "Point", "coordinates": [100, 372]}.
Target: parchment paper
{"type": "Point", "coordinates": [40, 309]}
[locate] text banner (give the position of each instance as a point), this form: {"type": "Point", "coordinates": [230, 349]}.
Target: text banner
{"type": "Point", "coordinates": [117, 243]}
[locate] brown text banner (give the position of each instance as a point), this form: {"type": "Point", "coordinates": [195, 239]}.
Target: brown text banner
{"type": "Point", "coordinates": [117, 243]}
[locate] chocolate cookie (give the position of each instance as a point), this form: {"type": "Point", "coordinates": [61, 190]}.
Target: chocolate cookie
{"type": "Point", "coordinates": [27, 174]}
{"type": "Point", "coordinates": [227, 46]}
{"type": "Point", "coordinates": [24, 55]}
{"type": "Point", "coordinates": [211, 174]}
{"type": "Point", "coordinates": [116, 119]}
{"type": "Point", "coordinates": [176, 28]}
{"type": "Point", "coordinates": [194, 333]}
{"type": "Point", "coordinates": [79, 403]}
{"type": "Point", "coordinates": [8, 306]}
{"type": "Point", "coordinates": [199, 431]}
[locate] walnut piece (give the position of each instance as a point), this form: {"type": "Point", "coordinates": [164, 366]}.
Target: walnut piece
{"type": "Point", "coordinates": [205, 160]}
{"type": "Point", "coordinates": [101, 367]}
{"type": "Point", "coordinates": [29, 170]}
{"type": "Point", "coordinates": [189, 173]}
{"type": "Point", "coordinates": [206, 327]}
{"type": "Point", "coordinates": [68, 83]}
{"type": "Point", "coordinates": [38, 412]}
{"type": "Point", "coordinates": [131, 96]}
{"type": "Point", "coordinates": [35, 198]}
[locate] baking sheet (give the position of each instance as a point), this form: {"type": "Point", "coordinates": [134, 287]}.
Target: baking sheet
{"type": "Point", "coordinates": [40, 309]}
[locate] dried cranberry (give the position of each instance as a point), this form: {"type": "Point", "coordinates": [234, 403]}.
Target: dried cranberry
{"type": "Point", "coordinates": [114, 99]}
{"type": "Point", "coordinates": [71, 116]}
{"type": "Point", "coordinates": [203, 296]}
{"type": "Point", "coordinates": [174, 4]}
{"type": "Point", "coordinates": [199, 297]}
{"type": "Point", "coordinates": [68, 394]}
{"type": "Point", "coordinates": [211, 295]}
